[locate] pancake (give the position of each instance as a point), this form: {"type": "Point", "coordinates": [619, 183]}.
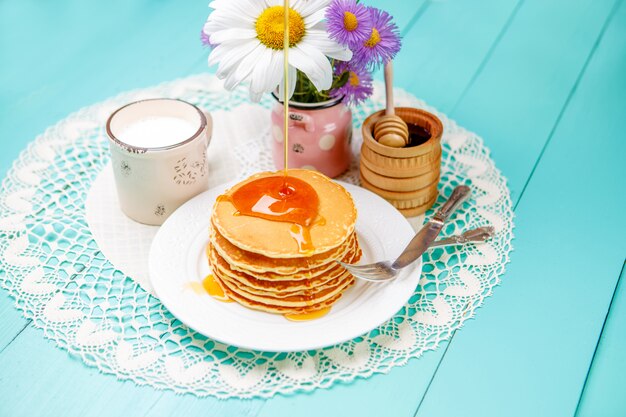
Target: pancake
{"type": "Point", "coordinates": [251, 281]}
{"type": "Point", "coordinates": [266, 268]}
{"type": "Point", "coordinates": [279, 309]}
{"type": "Point", "coordinates": [307, 295]}
{"type": "Point", "coordinates": [287, 304]}
{"type": "Point", "coordinates": [261, 262]}
{"type": "Point", "coordinates": [335, 221]}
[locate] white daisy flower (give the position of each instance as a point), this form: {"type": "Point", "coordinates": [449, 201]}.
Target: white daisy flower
{"type": "Point", "coordinates": [249, 38]}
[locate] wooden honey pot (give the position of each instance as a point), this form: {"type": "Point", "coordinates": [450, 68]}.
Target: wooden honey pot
{"type": "Point", "coordinates": [407, 177]}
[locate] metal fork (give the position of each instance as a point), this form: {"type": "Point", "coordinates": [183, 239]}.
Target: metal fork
{"type": "Point", "coordinates": [383, 271]}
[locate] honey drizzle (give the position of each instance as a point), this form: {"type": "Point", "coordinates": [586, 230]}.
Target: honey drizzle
{"type": "Point", "coordinates": [286, 83]}
{"type": "Point", "coordinates": [307, 316]}
{"type": "Point", "coordinates": [302, 235]}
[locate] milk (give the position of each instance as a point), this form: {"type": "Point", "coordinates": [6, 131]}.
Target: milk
{"type": "Point", "coordinates": [156, 132]}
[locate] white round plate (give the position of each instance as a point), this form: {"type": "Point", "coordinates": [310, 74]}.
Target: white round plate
{"type": "Point", "coordinates": [177, 258]}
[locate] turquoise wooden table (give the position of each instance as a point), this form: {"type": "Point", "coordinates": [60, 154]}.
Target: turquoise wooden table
{"type": "Point", "coordinates": [542, 81]}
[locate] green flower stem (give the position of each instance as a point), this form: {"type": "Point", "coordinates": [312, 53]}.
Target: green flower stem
{"type": "Point", "coordinates": [306, 92]}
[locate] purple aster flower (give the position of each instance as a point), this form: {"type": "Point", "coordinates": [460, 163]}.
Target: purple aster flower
{"type": "Point", "coordinates": [358, 87]}
{"type": "Point", "coordinates": [204, 38]}
{"type": "Point", "coordinates": [383, 42]}
{"type": "Point", "coordinates": [348, 23]}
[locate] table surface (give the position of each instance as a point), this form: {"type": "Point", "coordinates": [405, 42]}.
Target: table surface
{"type": "Point", "coordinates": [542, 81]}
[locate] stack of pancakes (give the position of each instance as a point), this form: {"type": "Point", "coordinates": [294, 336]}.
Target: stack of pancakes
{"type": "Point", "coordinates": [259, 263]}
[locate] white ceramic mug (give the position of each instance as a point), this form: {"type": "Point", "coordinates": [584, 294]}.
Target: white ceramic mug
{"type": "Point", "coordinates": [153, 181]}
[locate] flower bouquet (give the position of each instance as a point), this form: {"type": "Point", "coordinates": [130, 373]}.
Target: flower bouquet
{"type": "Point", "coordinates": [334, 46]}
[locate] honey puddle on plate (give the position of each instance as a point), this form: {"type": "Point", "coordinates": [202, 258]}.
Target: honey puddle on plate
{"type": "Point", "coordinates": [307, 316]}
{"type": "Point", "coordinates": [211, 287]}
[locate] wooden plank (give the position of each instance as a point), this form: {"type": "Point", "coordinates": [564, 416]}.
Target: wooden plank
{"type": "Point", "coordinates": [447, 46]}
{"type": "Point", "coordinates": [172, 405]}
{"type": "Point", "coordinates": [404, 12]}
{"type": "Point", "coordinates": [101, 50]}
{"type": "Point", "coordinates": [520, 92]}
{"type": "Point", "coordinates": [529, 352]}
{"type": "Point", "coordinates": [40, 60]}
{"type": "Point", "coordinates": [12, 321]}
{"type": "Point", "coordinates": [604, 390]}
{"type": "Point", "coordinates": [38, 379]}
{"type": "Point", "coordinates": [40, 53]}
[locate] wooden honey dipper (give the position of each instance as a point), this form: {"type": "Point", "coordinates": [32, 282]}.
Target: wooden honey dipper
{"type": "Point", "coordinates": [390, 129]}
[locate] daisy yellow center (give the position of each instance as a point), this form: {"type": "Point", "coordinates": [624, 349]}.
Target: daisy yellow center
{"type": "Point", "coordinates": [374, 39]}
{"type": "Point", "coordinates": [270, 27]}
{"type": "Point", "coordinates": [354, 79]}
{"type": "Point", "coordinates": [349, 21]}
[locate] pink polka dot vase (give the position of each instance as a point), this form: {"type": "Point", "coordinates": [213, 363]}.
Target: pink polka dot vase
{"type": "Point", "coordinates": [319, 136]}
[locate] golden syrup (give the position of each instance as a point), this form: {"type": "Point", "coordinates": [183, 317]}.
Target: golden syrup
{"type": "Point", "coordinates": [278, 198]}
{"type": "Point", "coordinates": [308, 316]}
{"type": "Point", "coordinates": [196, 287]}
{"type": "Point", "coordinates": [209, 286]}
{"type": "Point", "coordinates": [320, 221]}
{"type": "Point", "coordinates": [302, 236]}
{"type": "Point", "coordinates": [286, 84]}
{"type": "Point", "coordinates": [212, 288]}
{"type": "Point", "coordinates": [283, 199]}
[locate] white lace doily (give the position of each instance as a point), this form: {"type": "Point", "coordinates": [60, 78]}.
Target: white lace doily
{"type": "Point", "coordinates": [52, 266]}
